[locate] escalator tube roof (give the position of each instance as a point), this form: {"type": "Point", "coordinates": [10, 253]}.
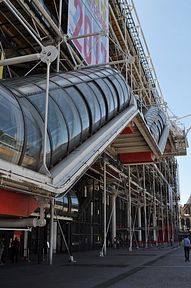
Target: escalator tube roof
{"type": "Point", "coordinates": [80, 103]}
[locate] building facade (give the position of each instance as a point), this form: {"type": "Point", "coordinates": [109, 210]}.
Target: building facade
{"type": "Point", "coordinates": [87, 147]}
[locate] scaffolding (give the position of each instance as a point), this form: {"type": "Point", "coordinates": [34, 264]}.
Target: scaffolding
{"type": "Point", "coordinates": [146, 194]}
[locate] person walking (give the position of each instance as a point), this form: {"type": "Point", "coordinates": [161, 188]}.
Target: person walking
{"type": "Point", "coordinates": [15, 250]}
{"type": "Point", "coordinates": [2, 247]}
{"type": "Point", "coordinates": [186, 243]}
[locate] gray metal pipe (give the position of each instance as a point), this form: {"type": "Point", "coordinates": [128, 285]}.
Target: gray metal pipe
{"type": "Point", "coordinates": [21, 223]}
{"type": "Point", "coordinates": [48, 18]}
{"type": "Point", "coordinates": [22, 20]}
{"type": "Point", "coordinates": [20, 59]}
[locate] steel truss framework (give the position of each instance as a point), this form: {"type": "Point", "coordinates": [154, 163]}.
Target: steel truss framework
{"type": "Point", "coordinates": [140, 201]}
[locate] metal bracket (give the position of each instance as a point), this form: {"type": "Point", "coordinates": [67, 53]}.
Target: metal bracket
{"type": "Point", "coordinates": [48, 54]}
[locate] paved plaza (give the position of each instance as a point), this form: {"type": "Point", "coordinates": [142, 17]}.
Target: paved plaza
{"type": "Point", "coordinates": [149, 268]}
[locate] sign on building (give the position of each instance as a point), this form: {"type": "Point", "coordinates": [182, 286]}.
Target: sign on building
{"type": "Point", "coordinates": [87, 17]}
{"type": "Point", "coordinates": [170, 195]}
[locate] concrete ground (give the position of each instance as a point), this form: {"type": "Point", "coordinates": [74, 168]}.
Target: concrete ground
{"type": "Point", "coordinates": [148, 268]}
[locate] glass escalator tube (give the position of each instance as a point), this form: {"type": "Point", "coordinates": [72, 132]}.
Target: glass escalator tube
{"type": "Point", "coordinates": [11, 127]}
{"type": "Point", "coordinates": [80, 103]}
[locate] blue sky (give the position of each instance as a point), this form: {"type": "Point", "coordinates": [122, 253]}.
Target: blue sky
{"type": "Point", "coordinates": [167, 28]}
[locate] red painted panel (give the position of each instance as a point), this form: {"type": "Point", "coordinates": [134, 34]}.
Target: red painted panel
{"type": "Point", "coordinates": [138, 157]}
{"type": "Point", "coordinates": [16, 204]}
{"type": "Point", "coordinates": [127, 130]}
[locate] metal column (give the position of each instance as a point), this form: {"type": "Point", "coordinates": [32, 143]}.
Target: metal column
{"type": "Point", "coordinates": [59, 27]}
{"type": "Point", "coordinates": [145, 209]}
{"type": "Point", "coordinates": [129, 210]}
{"type": "Point", "coordinates": [26, 245]}
{"type": "Point", "coordinates": [162, 212]}
{"type": "Point", "coordinates": [167, 213]}
{"type": "Point", "coordinates": [105, 209]}
{"type": "Point", "coordinates": [139, 225]}
{"type": "Point", "coordinates": [113, 228]}
{"type": "Point", "coordinates": [51, 231]}
{"type": "Point", "coordinates": [154, 211]}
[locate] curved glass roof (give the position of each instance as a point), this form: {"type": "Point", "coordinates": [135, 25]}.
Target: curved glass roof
{"type": "Point", "coordinates": [80, 103]}
{"type": "Point", "coordinates": [156, 120]}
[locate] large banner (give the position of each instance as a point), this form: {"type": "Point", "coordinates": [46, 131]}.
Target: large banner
{"type": "Point", "coordinates": [87, 17]}
{"type": "Point", "coordinates": [170, 194]}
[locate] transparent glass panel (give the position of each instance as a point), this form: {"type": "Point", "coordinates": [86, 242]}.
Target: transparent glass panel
{"type": "Point", "coordinates": [119, 89]}
{"type": "Point", "coordinates": [60, 80]}
{"type": "Point", "coordinates": [93, 104]}
{"type": "Point", "coordinates": [11, 128]}
{"type": "Point", "coordinates": [82, 109]}
{"type": "Point", "coordinates": [83, 75]}
{"type": "Point", "coordinates": [113, 92]}
{"type": "Point", "coordinates": [155, 132]}
{"type": "Point", "coordinates": [162, 116]}
{"type": "Point", "coordinates": [29, 89]}
{"type": "Point", "coordinates": [108, 97]}
{"type": "Point", "coordinates": [125, 88]}
{"type": "Point", "coordinates": [101, 99]}
{"type": "Point", "coordinates": [33, 138]}
{"type": "Point", "coordinates": [71, 115]}
{"type": "Point", "coordinates": [56, 125]}
{"type": "Point", "coordinates": [106, 71]}
{"type": "Point", "coordinates": [65, 204]}
{"type": "Point", "coordinates": [74, 203]}
{"type": "Point", "coordinates": [62, 204]}
{"type": "Point", "coordinates": [39, 81]}
{"type": "Point", "coordinates": [89, 73]}
{"type": "Point", "coordinates": [73, 77]}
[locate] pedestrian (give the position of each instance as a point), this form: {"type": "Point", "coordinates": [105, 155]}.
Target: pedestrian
{"type": "Point", "coordinates": [2, 247]}
{"type": "Point", "coordinates": [115, 242]}
{"type": "Point", "coordinates": [186, 244]}
{"type": "Point", "coordinates": [15, 250]}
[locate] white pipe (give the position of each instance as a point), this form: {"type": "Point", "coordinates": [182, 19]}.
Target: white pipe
{"type": "Point", "coordinates": [145, 208]}
{"type": "Point", "coordinates": [15, 229]}
{"type": "Point", "coordinates": [22, 20]}
{"type": "Point", "coordinates": [51, 231]}
{"type": "Point", "coordinates": [20, 59]}
{"type": "Point", "coordinates": [105, 209]}
{"type": "Point", "coordinates": [21, 223]}
{"type": "Point", "coordinates": [25, 244]}
{"type": "Point", "coordinates": [129, 211]}
{"type": "Point", "coordinates": [48, 18]}
{"type": "Point", "coordinates": [113, 230]}
{"type": "Point", "coordinates": [154, 210]}
{"type": "Point", "coordinates": [100, 33]}
{"type": "Point", "coordinates": [139, 225]}
{"type": "Point", "coordinates": [60, 23]}
{"type": "Point", "coordinates": [44, 168]}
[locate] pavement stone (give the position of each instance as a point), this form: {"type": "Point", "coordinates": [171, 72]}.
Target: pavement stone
{"type": "Point", "coordinates": [152, 267]}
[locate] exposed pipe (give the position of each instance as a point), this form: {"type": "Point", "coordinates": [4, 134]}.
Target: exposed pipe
{"type": "Point", "coordinates": [44, 168]}
{"type": "Point", "coordinates": [129, 211]}
{"type": "Point", "coordinates": [105, 207]}
{"type": "Point", "coordinates": [48, 18]}
{"type": "Point", "coordinates": [20, 59]}
{"type": "Point", "coordinates": [22, 223]}
{"type": "Point", "coordinates": [51, 230]}
{"type": "Point", "coordinates": [145, 208]}
{"type": "Point", "coordinates": [59, 27]}
{"type": "Point", "coordinates": [22, 20]}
